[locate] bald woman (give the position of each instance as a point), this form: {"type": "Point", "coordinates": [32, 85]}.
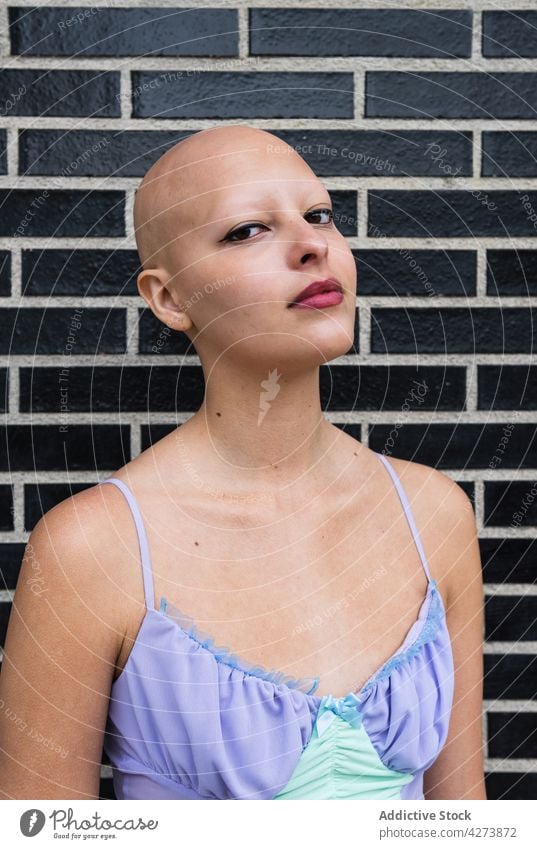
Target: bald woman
{"type": "Point", "coordinates": [261, 516]}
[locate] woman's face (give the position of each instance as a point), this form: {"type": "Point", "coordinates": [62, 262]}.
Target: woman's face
{"type": "Point", "coordinates": [256, 229]}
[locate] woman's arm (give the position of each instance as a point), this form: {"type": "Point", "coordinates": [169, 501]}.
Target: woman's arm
{"type": "Point", "coordinates": [458, 772]}
{"type": "Point", "coordinates": [61, 646]}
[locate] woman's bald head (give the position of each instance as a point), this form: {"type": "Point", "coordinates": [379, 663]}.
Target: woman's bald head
{"type": "Point", "coordinates": [225, 292]}
{"type": "Point", "coordinates": [175, 191]}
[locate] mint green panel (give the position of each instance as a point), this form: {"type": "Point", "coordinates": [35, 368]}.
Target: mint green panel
{"type": "Point", "coordinates": [342, 763]}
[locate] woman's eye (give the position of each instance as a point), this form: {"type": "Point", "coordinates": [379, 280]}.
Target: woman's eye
{"type": "Point", "coordinates": [326, 211]}
{"type": "Point", "coordinates": [230, 236]}
{"type": "Point", "coordinates": [235, 235]}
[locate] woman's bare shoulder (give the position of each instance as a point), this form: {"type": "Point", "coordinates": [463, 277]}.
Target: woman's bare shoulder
{"type": "Point", "coordinates": [94, 540]}
{"type": "Point", "coordinates": [423, 482]}
{"type": "Point", "coordinates": [64, 635]}
{"type": "Point", "coordinates": [446, 521]}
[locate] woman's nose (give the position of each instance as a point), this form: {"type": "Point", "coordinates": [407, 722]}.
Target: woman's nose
{"type": "Point", "coordinates": [305, 241]}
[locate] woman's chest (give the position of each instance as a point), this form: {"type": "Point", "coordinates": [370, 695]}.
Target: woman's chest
{"type": "Point", "coordinates": [331, 595]}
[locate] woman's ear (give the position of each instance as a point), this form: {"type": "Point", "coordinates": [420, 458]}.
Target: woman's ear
{"type": "Point", "coordinates": [153, 286]}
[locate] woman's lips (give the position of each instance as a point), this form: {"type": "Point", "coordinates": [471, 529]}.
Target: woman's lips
{"type": "Point", "coordinates": [320, 301]}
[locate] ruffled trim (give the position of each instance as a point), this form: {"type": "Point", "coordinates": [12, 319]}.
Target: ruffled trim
{"type": "Point", "coordinates": [224, 655]}
{"type": "Point", "coordinates": [435, 614]}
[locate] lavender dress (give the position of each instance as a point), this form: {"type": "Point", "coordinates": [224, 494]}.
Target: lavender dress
{"type": "Point", "coordinates": [191, 720]}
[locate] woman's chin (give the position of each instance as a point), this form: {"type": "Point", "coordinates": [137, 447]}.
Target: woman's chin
{"type": "Point", "coordinates": [320, 347]}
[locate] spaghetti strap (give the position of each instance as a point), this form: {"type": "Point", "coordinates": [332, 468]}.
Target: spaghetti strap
{"type": "Point", "coordinates": [408, 512]}
{"type": "Point", "coordinates": [142, 540]}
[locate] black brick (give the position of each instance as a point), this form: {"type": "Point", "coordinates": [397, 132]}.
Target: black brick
{"type": "Point", "coordinates": [93, 153]}
{"type": "Point", "coordinates": [40, 498]}
{"type": "Point", "coordinates": [29, 448]}
{"type": "Point", "coordinates": [360, 32]}
{"type": "Point", "coordinates": [48, 330]}
{"type": "Point", "coordinates": [512, 273]}
{"type": "Point", "coordinates": [457, 446]}
{"type": "Point", "coordinates": [511, 618]}
{"type": "Point", "coordinates": [106, 789]}
{"type": "Point", "coordinates": [4, 383]}
{"type": "Point", "coordinates": [450, 213]}
{"type": "Point", "coordinates": [5, 610]}
{"type": "Point", "coordinates": [447, 94]}
{"type": "Point", "coordinates": [328, 152]}
{"type": "Point", "coordinates": [376, 387]}
{"type": "Point", "coordinates": [344, 205]}
{"type": "Point", "coordinates": [219, 94]}
{"type": "Point", "coordinates": [391, 272]}
{"type": "Point", "coordinates": [381, 153]}
{"type": "Point", "coordinates": [4, 112]}
{"type": "Point", "coordinates": [109, 388]}
{"type": "Point", "coordinates": [101, 31]}
{"type": "Point", "coordinates": [5, 274]}
{"type": "Point", "coordinates": [507, 387]}
{"type": "Point", "coordinates": [505, 501]}
{"type": "Point", "coordinates": [6, 507]}
{"type": "Point", "coordinates": [512, 735]}
{"type": "Point", "coordinates": [510, 676]}
{"type": "Point", "coordinates": [452, 330]}
{"type": "Point", "coordinates": [92, 273]}
{"type": "Point", "coordinates": [511, 785]}
{"type": "Point", "coordinates": [55, 212]}
{"type": "Point", "coordinates": [469, 488]}
{"type": "Point", "coordinates": [512, 154]}
{"type": "Point", "coordinates": [508, 560]}
{"type": "Point", "coordinates": [46, 93]}
{"type": "Point", "coordinates": [11, 554]}
{"type": "Point", "coordinates": [510, 34]}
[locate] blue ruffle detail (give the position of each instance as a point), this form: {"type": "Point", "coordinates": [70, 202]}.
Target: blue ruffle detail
{"type": "Point", "coordinates": [224, 655]}
{"type": "Point", "coordinates": [435, 615]}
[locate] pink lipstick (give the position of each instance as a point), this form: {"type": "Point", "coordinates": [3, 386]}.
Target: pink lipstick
{"type": "Point", "coordinates": [319, 294]}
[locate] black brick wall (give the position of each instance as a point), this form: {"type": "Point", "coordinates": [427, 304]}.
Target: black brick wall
{"type": "Point", "coordinates": [422, 123]}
